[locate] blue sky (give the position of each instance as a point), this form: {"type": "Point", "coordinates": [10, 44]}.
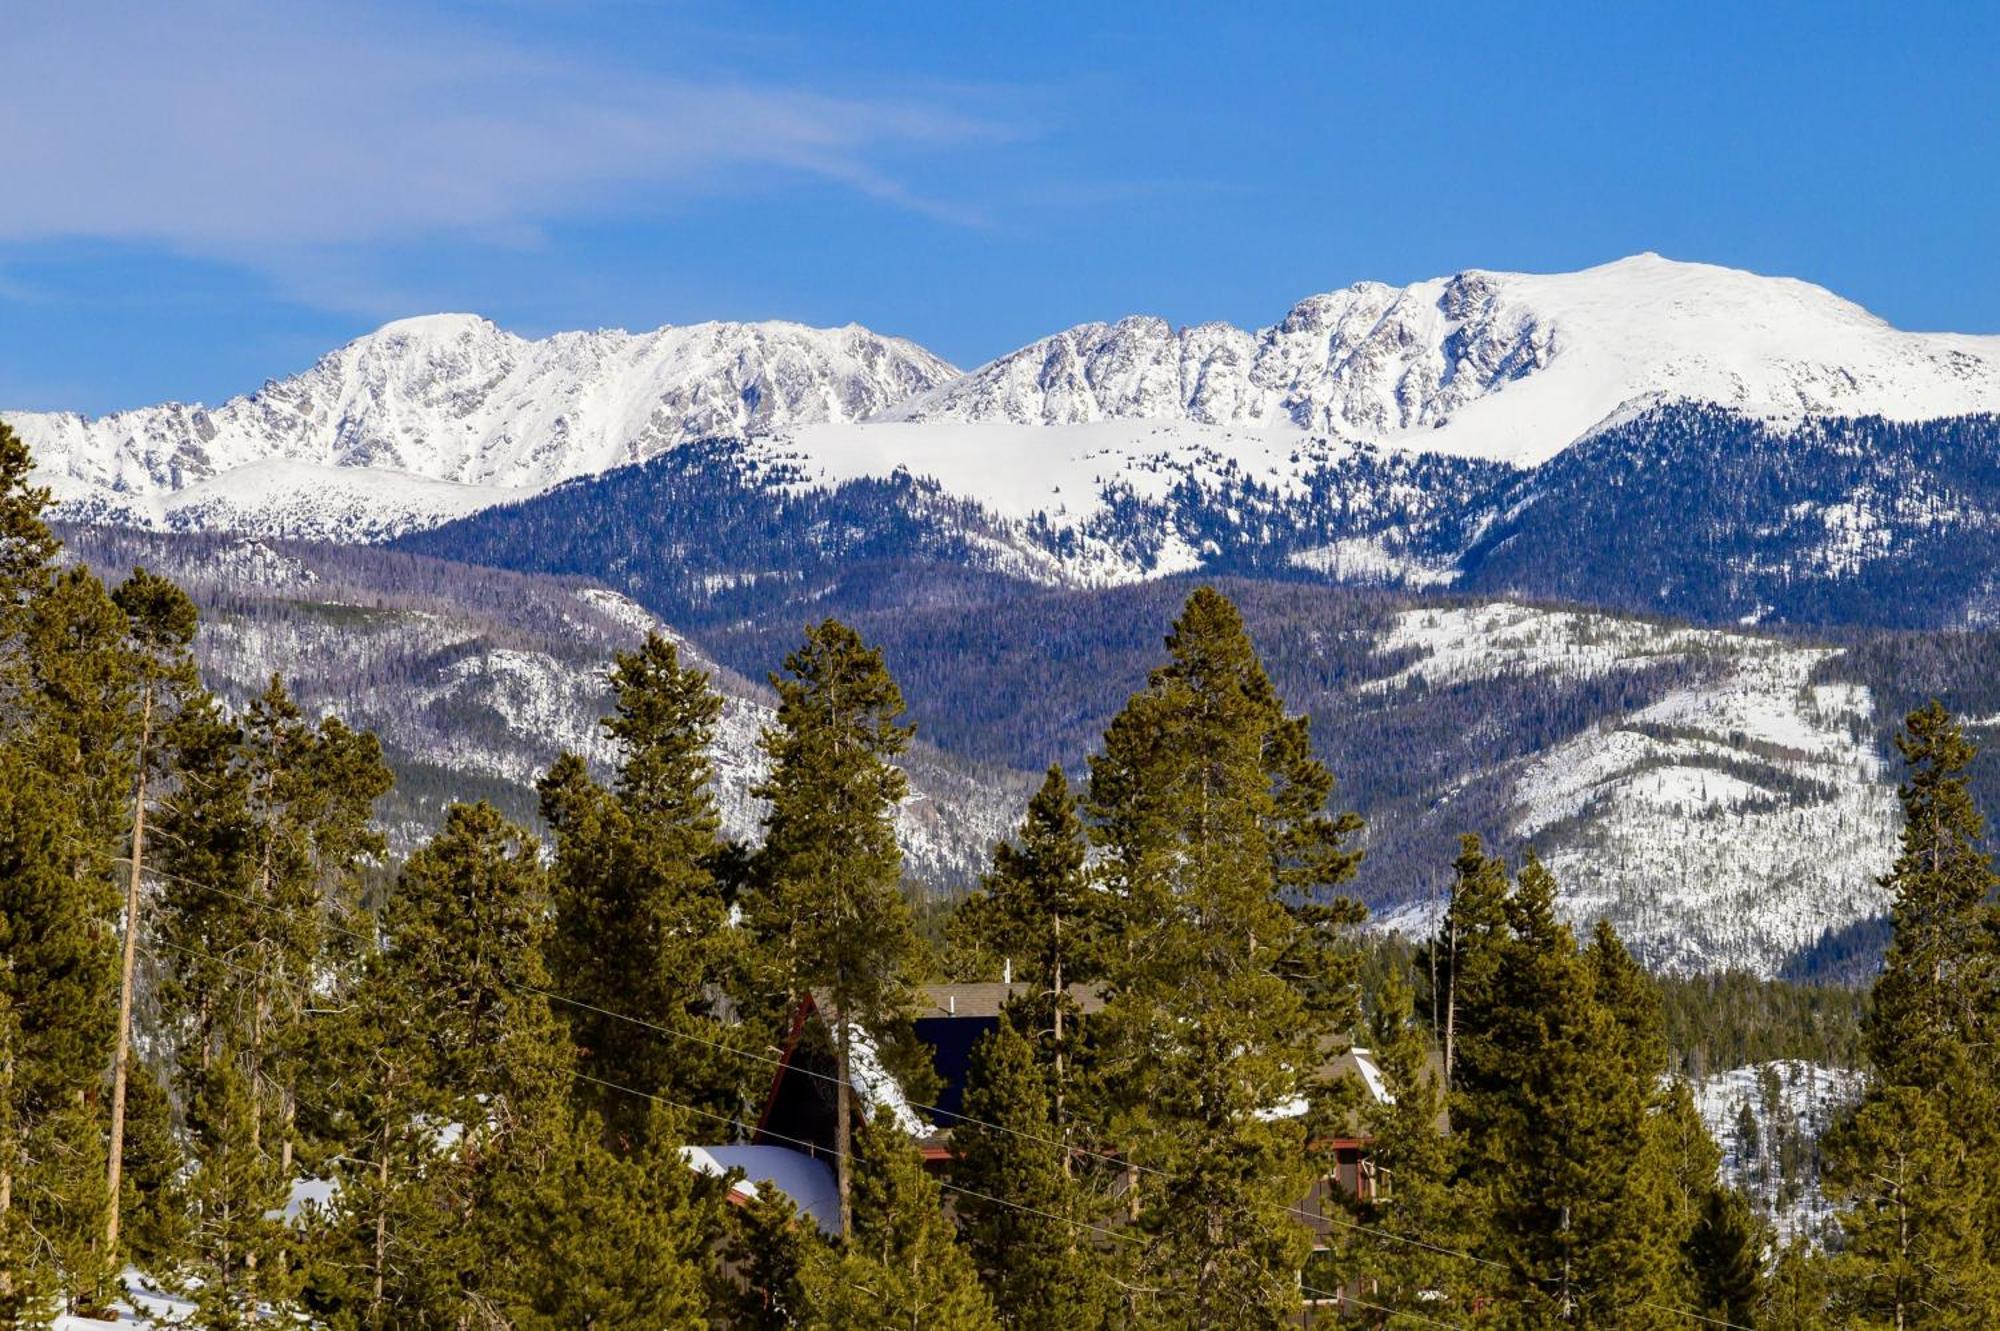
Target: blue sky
{"type": "Point", "coordinates": [196, 196]}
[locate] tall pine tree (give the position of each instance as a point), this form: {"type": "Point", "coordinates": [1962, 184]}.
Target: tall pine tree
{"type": "Point", "coordinates": [1912, 1253]}
{"type": "Point", "coordinates": [263, 844]}
{"type": "Point", "coordinates": [642, 921]}
{"type": "Point", "coordinates": [1934, 1001]}
{"type": "Point", "coordinates": [1028, 1222]}
{"type": "Point", "coordinates": [827, 903]}
{"type": "Point", "coordinates": [64, 769]}
{"type": "Point", "coordinates": [1038, 910]}
{"type": "Point", "coordinates": [160, 625]}
{"type": "Point", "coordinates": [1555, 1099]}
{"type": "Point", "coordinates": [57, 983]}
{"type": "Point", "coordinates": [452, 1063]}
{"type": "Point", "coordinates": [1217, 853]}
{"type": "Point", "coordinates": [1921, 1228]}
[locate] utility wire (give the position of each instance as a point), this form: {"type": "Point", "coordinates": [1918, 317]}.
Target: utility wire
{"type": "Point", "coordinates": [1092, 1157]}
{"type": "Point", "coordinates": [1295, 1211]}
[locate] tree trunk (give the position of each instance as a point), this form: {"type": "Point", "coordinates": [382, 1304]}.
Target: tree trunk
{"type": "Point", "coordinates": [1451, 1008]}
{"type": "Point", "coordinates": [381, 1227]}
{"type": "Point", "coordinates": [843, 1126]}
{"type": "Point", "coordinates": [1056, 996]}
{"type": "Point", "coordinates": [7, 1165]}
{"type": "Point", "coordinates": [120, 1069]}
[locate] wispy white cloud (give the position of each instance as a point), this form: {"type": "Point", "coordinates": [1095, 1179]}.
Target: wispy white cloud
{"type": "Point", "coordinates": [276, 134]}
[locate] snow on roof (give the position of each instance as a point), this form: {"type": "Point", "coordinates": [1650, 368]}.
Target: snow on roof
{"type": "Point", "coordinates": [808, 1182]}
{"type": "Point", "coordinates": [1371, 1077]}
{"type": "Point", "coordinates": [877, 1086]}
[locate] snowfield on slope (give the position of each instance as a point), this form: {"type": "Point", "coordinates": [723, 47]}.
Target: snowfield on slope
{"type": "Point", "coordinates": [1726, 826]}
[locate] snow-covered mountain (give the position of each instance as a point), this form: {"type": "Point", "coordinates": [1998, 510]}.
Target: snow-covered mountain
{"type": "Point", "coordinates": [432, 418]}
{"type": "Point", "coordinates": [1513, 366]}
{"type": "Point", "coordinates": [452, 398]}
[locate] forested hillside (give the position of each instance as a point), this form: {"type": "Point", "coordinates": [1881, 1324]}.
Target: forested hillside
{"type": "Point", "coordinates": [477, 679]}
{"type": "Point", "coordinates": [1686, 510]}
{"type": "Point", "coordinates": [1594, 738]}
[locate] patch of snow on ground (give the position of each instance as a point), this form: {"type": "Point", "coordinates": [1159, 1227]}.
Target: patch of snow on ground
{"type": "Point", "coordinates": [1502, 638]}
{"type": "Point", "coordinates": [144, 1305]}
{"type": "Point", "coordinates": [1794, 1103]}
{"type": "Point", "coordinates": [1368, 559]}
{"type": "Point", "coordinates": [622, 610]}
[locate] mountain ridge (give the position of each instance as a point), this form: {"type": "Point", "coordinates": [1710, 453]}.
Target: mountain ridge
{"type": "Point", "coordinates": [1483, 364]}
{"type": "Point", "coordinates": [455, 398]}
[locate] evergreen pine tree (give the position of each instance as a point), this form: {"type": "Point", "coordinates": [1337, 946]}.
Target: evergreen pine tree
{"type": "Point", "coordinates": [1558, 1069]}
{"type": "Point", "coordinates": [642, 922]}
{"type": "Point", "coordinates": [581, 1236]}
{"type": "Point", "coordinates": [237, 1199]}
{"type": "Point", "coordinates": [160, 632]}
{"type": "Point", "coordinates": [452, 1064]}
{"type": "Point", "coordinates": [827, 906]}
{"type": "Point", "coordinates": [1038, 910]}
{"type": "Point", "coordinates": [1934, 999]}
{"type": "Point", "coordinates": [1218, 1010]}
{"type": "Point", "coordinates": [1026, 1220]}
{"type": "Point", "coordinates": [1467, 958]}
{"type": "Point", "coordinates": [1922, 1229]}
{"type": "Point", "coordinates": [1911, 1253]}
{"type": "Point", "coordinates": [767, 1247]}
{"type": "Point", "coordinates": [156, 1227]}
{"type": "Point", "coordinates": [262, 845]}
{"type": "Point", "coordinates": [27, 553]}
{"type": "Point", "coordinates": [1726, 1252]}
{"type": "Point", "coordinates": [1796, 1295]}
{"type": "Point", "coordinates": [901, 1268]}
{"type": "Point", "coordinates": [1721, 1243]}
{"type": "Point", "coordinates": [58, 980]}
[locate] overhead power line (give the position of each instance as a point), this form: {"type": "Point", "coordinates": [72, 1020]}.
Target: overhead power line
{"type": "Point", "coordinates": [765, 1059]}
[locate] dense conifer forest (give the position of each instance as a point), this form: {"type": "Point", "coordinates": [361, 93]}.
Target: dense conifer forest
{"type": "Point", "coordinates": [252, 1056]}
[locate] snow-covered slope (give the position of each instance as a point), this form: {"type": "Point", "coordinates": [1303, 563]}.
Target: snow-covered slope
{"type": "Point", "coordinates": [475, 681]}
{"type": "Point", "coordinates": [453, 398]}
{"type": "Point", "coordinates": [1726, 826]}
{"type": "Point", "coordinates": [1772, 1154]}
{"type": "Point", "coordinates": [1513, 366]}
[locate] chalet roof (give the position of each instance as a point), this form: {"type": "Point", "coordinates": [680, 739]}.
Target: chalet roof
{"type": "Point", "coordinates": [951, 1019]}
{"type": "Point", "coordinates": [808, 1182]}
{"type": "Point", "coordinates": [1356, 1062]}
{"type": "Point", "coordinates": [985, 999]}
